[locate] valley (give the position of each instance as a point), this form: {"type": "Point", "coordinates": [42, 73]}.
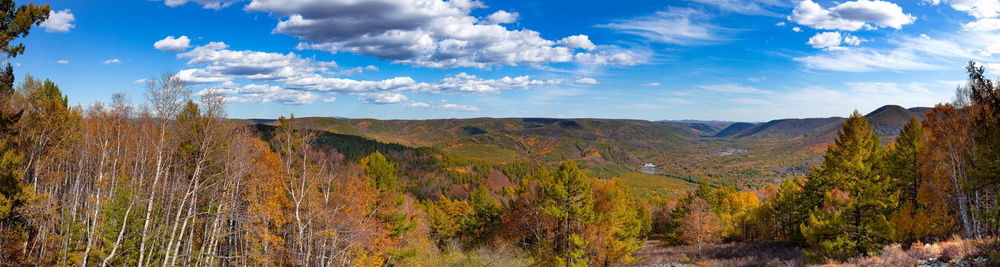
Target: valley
{"type": "Point", "coordinates": [686, 154]}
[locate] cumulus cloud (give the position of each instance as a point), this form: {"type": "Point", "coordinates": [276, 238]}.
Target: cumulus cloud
{"type": "Point", "coordinates": [501, 17]}
{"type": "Point", "coordinates": [171, 44]}
{"type": "Point", "coordinates": [432, 33]}
{"type": "Point", "coordinates": [59, 21]}
{"type": "Point", "coordinates": [832, 40]}
{"type": "Point", "coordinates": [733, 88]}
{"type": "Point", "coordinates": [62, 61]}
{"type": "Point", "coordinates": [112, 61]}
{"type": "Point", "coordinates": [851, 15]}
{"type": "Point", "coordinates": [578, 41]}
{"type": "Point", "coordinates": [383, 98]}
{"type": "Point", "coordinates": [853, 40]}
{"type": "Point", "coordinates": [262, 93]}
{"type": "Point", "coordinates": [223, 64]}
{"type": "Point", "coordinates": [682, 26]}
{"type": "Point", "coordinates": [354, 71]}
{"type": "Point", "coordinates": [825, 39]}
{"type": "Point", "coordinates": [588, 81]}
{"type": "Point", "coordinates": [307, 79]}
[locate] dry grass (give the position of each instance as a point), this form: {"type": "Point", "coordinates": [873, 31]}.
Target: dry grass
{"type": "Point", "coordinates": [951, 251]}
{"type": "Point", "coordinates": [958, 251]}
{"type": "Point", "coordinates": [741, 254]}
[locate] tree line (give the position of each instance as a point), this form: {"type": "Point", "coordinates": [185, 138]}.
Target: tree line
{"type": "Point", "coordinates": [938, 178]}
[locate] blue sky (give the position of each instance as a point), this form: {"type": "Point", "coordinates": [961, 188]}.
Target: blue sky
{"type": "Point", "coordinates": [738, 60]}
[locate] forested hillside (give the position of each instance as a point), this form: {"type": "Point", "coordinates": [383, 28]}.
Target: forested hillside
{"type": "Point", "coordinates": [166, 178]}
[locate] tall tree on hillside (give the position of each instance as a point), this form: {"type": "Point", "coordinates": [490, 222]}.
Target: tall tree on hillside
{"type": "Point", "coordinates": [850, 217]}
{"type": "Point", "coordinates": [916, 217]}
{"type": "Point", "coordinates": [700, 226]}
{"type": "Point", "coordinates": [15, 22]}
{"type": "Point", "coordinates": [381, 172]}
{"type": "Point", "coordinates": [945, 161]}
{"type": "Point", "coordinates": [786, 211]}
{"type": "Point", "coordinates": [619, 226]}
{"type": "Point", "coordinates": [985, 162]}
{"type": "Point", "coordinates": [901, 160]}
{"type": "Point", "coordinates": [569, 200]}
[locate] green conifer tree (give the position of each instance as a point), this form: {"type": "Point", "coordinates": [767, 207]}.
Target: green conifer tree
{"type": "Point", "coordinates": [851, 217]}
{"type": "Point", "coordinates": [569, 200]}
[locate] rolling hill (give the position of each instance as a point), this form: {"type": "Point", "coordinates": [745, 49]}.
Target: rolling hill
{"type": "Point", "coordinates": [687, 152]}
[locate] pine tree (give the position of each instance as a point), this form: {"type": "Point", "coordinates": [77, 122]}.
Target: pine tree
{"type": "Point", "coordinates": [851, 218]}
{"type": "Point", "coordinates": [381, 172]}
{"type": "Point", "coordinates": [569, 200]}
{"type": "Point", "coordinates": [901, 160]}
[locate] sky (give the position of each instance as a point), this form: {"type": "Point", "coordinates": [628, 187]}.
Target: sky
{"type": "Point", "coordinates": [732, 60]}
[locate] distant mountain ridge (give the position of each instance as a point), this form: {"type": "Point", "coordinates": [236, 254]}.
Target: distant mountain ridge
{"type": "Point", "coordinates": [684, 150]}
{"type": "Point", "coordinates": [886, 121]}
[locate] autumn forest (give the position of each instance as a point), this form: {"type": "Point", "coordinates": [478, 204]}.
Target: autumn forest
{"type": "Point", "coordinates": [166, 178]}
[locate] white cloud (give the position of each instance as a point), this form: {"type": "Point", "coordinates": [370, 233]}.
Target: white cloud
{"type": "Point", "coordinates": [295, 75]}
{"type": "Point", "coordinates": [851, 15]}
{"type": "Point", "coordinates": [780, 24]}
{"type": "Point", "coordinates": [578, 41]}
{"type": "Point", "coordinates": [652, 84]}
{"type": "Point", "coordinates": [222, 64]}
{"type": "Point", "coordinates": [262, 93]}
{"type": "Point", "coordinates": [112, 61]}
{"type": "Point", "coordinates": [62, 61]}
{"type": "Point", "coordinates": [209, 4]}
{"type": "Point", "coordinates": [354, 71]}
{"type": "Point", "coordinates": [832, 40]}
{"type": "Point", "coordinates": [383, 98]}
{"type": "Point", "coordinates": [909, 54]}
{"type": "Point", "coordinates": [59, 21]}
{"type": "Point", "coordinates": [419, 105]}
{"type": "Point", "coordinates": [442, 106]}
{"type": "Point", "coordinates": [502, 17]}
{"type": "Point", "coordinates": [733, 88]}
{"type": "Point", "coordinates": [977, 8]}
{"type": "Point", "coordinates": [863, 60]}
{"type": "Point", "coordinates": [796, 29]}
{"type": "Point", "coordinates": [429, 33]}
{"type": "Point", "coordinates": [682, 26]}
{"type": "Point", "coordinates": [825, 39]}
{"type": "Point", "coordinates": [458, 107]}
{"type": "Point", "coordinates": [140, 81]}
{"type": "Point", "coordinates": [853, 40]}
{"type": "Point", "coordinates": [171, 44]}
{"type": "Point", "coordinates": [983, 25]}
{"type": "Point", "coordinates": [589, 81]}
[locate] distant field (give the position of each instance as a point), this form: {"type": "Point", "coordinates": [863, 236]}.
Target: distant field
{"type": "Point", "coordinates": [648, 185]}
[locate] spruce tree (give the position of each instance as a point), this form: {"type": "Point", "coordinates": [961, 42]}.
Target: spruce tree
{"type": "Point", "coordinates": [569, 200]}
{"type": "Point", "coordinates": [380, 171]}
{"type": "Point", "coordinates": [852, 199]}
{"type": "Point", "coordinates": [901, 160]}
